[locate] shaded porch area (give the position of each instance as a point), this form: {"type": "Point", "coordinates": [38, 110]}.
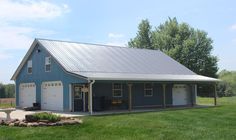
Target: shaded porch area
{"type": "Point", "coordinates": [121, 97]}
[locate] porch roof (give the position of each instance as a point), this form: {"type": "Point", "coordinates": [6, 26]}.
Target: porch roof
{"type": "Point", "coordinates": [147, 77]}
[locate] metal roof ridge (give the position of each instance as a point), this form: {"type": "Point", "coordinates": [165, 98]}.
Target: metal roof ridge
{"type": "Point", "coordinates": [128, 73]}
{"type": "Point", "coordinates": [95, 44]}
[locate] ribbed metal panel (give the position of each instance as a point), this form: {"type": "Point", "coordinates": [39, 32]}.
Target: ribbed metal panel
{"type": "Point", "coordinates": [100, 61]}
{"type": "Point", "coordinates": [97, 58]}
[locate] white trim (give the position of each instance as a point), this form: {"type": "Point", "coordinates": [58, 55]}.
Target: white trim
{"type": "Point", "coordinates": [147, 77]}
{"type": "Point", "coordinates": [70, 97]}
{"type": "Point", "coordinates": [91, 97]}
{"type": "Point", "coordinates": [195, 90]}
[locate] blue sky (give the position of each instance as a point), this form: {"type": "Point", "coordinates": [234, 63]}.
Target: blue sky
{"type": "Point", "coordinates": [108, 22]}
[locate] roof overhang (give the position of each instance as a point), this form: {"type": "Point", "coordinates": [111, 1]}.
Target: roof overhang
{"type": "Point", "coordinates": [147, 77]}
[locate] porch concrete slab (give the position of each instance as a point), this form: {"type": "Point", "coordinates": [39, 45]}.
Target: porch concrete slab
{"type": "Point", "coordinates": [112, 112]}
{"type": "Point", "coordinates": [20, 114]}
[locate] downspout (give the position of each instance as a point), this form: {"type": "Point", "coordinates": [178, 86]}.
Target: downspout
{"type": "Point", "coordinates": [17, 105]}
{"type": "Point", "coordinates": [91, 96]}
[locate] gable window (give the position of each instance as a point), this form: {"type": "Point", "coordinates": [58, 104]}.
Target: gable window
{"type": "Point", "coordinates": [29, 66]}
{"type": "Point", "coordinates": [117, 90]}
{"type": "Point", "coordinates": [47, 64]}
{"type": "Point", "coordinates": [148, 89]}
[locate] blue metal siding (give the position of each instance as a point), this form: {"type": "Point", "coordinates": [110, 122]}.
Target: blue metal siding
{"type": "Point", "coordinates": [169, 94]}
{"type": "Point", "coordinates": [39, 75]}
{"type": "Point", "coordinates": [101, 89]}
{"type": "Point", "coordinates": [139, 100]}
{"type": "Point", "coordinates": [104, 88]}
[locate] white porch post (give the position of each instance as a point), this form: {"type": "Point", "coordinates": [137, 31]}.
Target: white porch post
{"type": "Point", "coordinates": [91, 97]}
{"type": "Point", "coordinates": [195, 92]}
{"type": "Point", "coordinates": [70, 98]}
{"type": "Point", "coordinates": [195, 95]}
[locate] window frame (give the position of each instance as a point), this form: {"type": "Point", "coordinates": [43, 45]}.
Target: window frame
{"type": "Point", "coordinates": [79, 92]}
{"type": "Point", "coordinates": [48, 64]}
{"type": "Point", "coordinates": [29, 65]}
{"type": "Point", "coordinates": [148, 89]}
{"type": "Point", "coordinates": [117, 89]}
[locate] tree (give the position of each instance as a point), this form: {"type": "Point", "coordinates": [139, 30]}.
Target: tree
{"type": "Point", "coordinates": [7, 91]}
{"type": "Point", "coordinates": [189, 46]}
{"type": "Point", "coordinates": [143, 38]}
{"type": "Point", "coordinates": [10, 90]}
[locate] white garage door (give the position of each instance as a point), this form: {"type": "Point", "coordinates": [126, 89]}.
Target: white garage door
{"type": "Point", "coordinates": [180, 94]}
{"type": "Point", "coordinates": [52, 96]}
{"type": "Point", "coordinates": [27, 94]}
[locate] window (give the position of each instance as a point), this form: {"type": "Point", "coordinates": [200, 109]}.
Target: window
{"type": "Point", "coordinates": [117, 90]}
{"type": "Point", "coordinates": [148, 89]}
{"type": "Point", "coordinates": [77, 92]}
{"type": "Point", "coordinates": [48, 64]}
{"type": "Point", "coordinates": [29, 66]}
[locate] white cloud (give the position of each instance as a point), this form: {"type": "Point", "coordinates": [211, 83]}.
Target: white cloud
{"type": "Point", "coordinates": [115, 35]}
{"type": "Point", "coordinates": [13, 36]}
{"type": "Point", "coordinates": [234, 40]}
{"type": "Point", "coordinates": [233, 27]}
{"type": "Point", "coordinates": [116, 39]}
{"type": "Point", "coordinates": [30, 9]}
{"type": "Point", "coordinates": [116, 43]}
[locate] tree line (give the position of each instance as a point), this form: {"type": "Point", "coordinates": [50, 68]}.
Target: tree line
{"type": "Point", "coordinates": [228, 85]}
{"type": "Point", "coordinates": [7, 90]}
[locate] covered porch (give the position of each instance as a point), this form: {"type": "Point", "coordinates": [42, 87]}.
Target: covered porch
{"type": "Point", "coordinates": [101, 97]}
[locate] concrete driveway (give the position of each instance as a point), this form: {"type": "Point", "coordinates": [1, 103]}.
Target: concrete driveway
{"type": "Point", "coordinates": [20, 114]}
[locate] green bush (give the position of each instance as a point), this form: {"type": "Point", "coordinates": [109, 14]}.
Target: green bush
{"type": "Point", "coordinates": [46, 116]}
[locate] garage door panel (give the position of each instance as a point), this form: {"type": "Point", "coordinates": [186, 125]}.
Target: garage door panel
{"type": "Point", "coordinates": [27, 94]}
{"type": "Point", "coordinates": [180, 94]}
{"type": "Point", "coordinates": [52, 95]}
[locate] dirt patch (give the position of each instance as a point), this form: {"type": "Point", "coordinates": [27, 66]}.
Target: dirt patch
{"type": "Point", "coordinates": [7, 101]}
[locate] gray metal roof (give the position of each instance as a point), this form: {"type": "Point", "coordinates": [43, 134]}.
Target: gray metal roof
{"type": "Point", "coordinates": [102, 62]}
{"type": "Point", "coordinates": [147, 77]}
{"type": "Point", "coordinates": [75, 57]}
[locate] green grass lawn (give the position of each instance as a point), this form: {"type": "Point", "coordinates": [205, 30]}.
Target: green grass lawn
{"type": "Point", "coordinates": [215, 123]}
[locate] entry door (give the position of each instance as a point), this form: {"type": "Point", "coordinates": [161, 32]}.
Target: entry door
{"type": "Point", "coordinates": [180, 95]}
{"type": "Point", "coordinates": [78, 98]}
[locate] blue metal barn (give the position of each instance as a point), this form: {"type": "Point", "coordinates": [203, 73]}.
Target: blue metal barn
{"type": "Point", "coordinates": [70, 76]}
